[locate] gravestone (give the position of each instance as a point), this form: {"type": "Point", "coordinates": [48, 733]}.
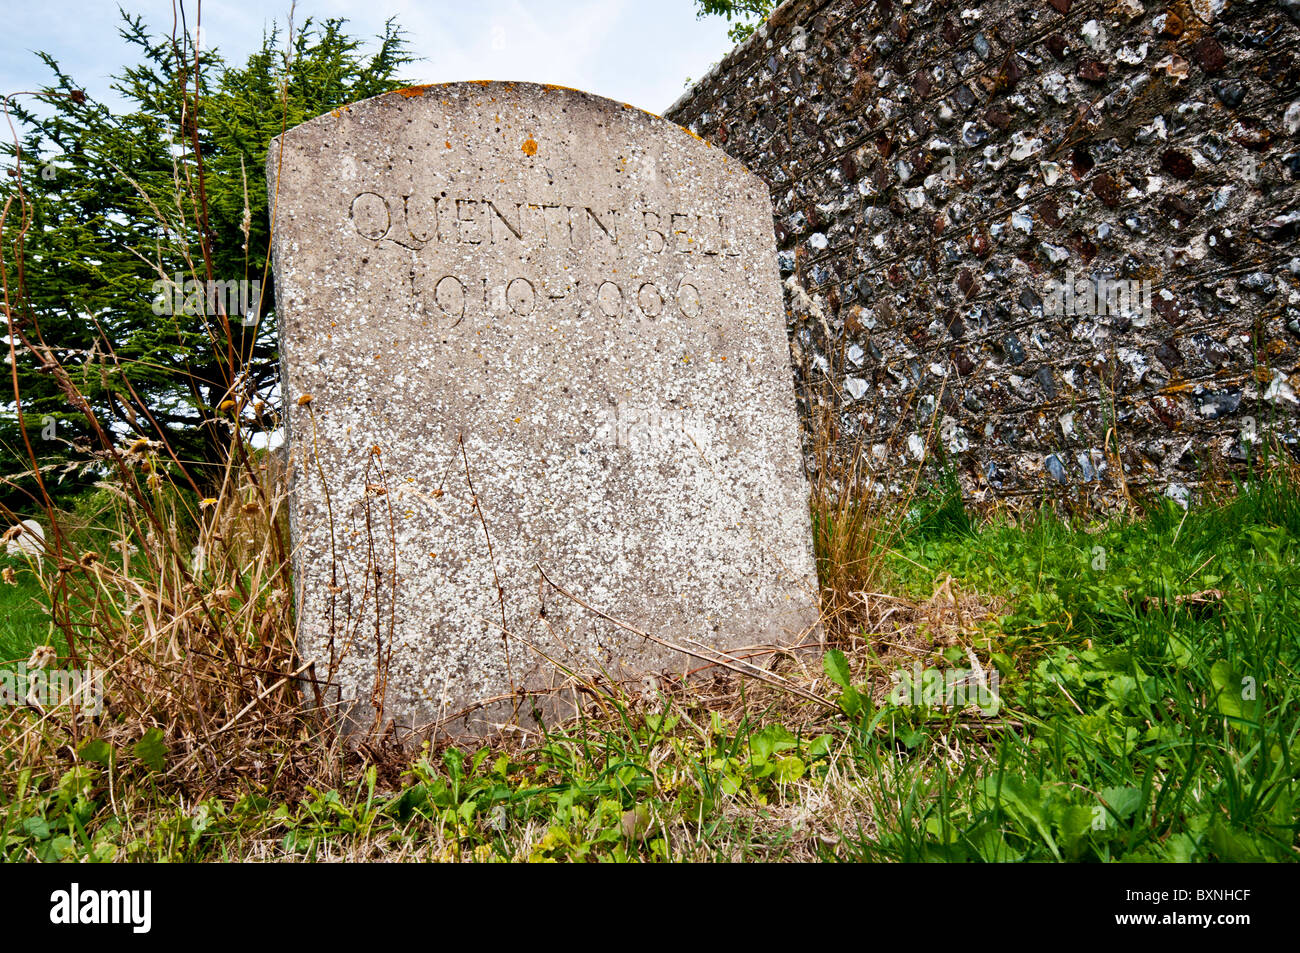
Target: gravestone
{"type": "Point", "coordinates": [529, 330]}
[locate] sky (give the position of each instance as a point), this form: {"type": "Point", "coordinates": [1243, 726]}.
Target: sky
{"type": "Point", "coordinates": [635, 51]}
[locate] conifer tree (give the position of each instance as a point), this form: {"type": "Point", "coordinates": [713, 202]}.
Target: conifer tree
{"type": "Point", "coordinates": [104, 204]}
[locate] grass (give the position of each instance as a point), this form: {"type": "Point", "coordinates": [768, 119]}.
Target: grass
{"type": "Point", "coordinates": [1148, 688]}
{"type": "Point", "coordinates": [1146, 679]}
{"type": "Point", "coordinates": [24, 614]}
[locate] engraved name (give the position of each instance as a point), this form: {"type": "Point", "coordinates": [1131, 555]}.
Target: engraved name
{"type": "Point", "coordinates": [414, 221]}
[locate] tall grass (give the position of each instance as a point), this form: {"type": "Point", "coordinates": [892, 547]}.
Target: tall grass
{"type": "Point", "coordinates": [859, 506]}
{"type": "Point", "coordinates": [177, 587]}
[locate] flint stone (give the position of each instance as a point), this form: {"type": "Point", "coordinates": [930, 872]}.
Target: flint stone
{"type": "Point", "coordinates": [533, 316]}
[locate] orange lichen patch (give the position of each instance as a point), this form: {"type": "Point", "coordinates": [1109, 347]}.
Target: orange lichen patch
{"type": "Point", "coordinates": [411, 92]}
{"type": "Point", "coordinates": [645, 111]}
{"type": "Point", "coordinates": [694, 135]}
{"type": "Point", "coordinates": [448, 143]}
{"type": "Point", "coordinates": [529, 147]}
{"type": "Point", "coordinates": [481, 82]}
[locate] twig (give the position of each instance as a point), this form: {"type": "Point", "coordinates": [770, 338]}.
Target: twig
{"type": "Point", "coordinates": [501, 593]}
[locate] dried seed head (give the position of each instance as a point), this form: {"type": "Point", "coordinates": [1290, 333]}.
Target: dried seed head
{"type": "Point", "coordinates": [41, 656]}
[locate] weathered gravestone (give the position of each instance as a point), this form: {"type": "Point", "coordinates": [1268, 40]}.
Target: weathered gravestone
{"type": "Point", "coordinates": [524, 327]}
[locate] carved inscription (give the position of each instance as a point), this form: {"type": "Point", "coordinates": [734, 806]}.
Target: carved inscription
{"type": "Point", "coordinates": [413, 222]}
{"type": "Point", "coordinates": [450, 298]}
{"type": "Point", "coordinates": [454, 298]}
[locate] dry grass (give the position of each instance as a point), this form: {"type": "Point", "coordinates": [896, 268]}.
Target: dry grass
{"type": "Point", "coordinates": [184, 605]}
